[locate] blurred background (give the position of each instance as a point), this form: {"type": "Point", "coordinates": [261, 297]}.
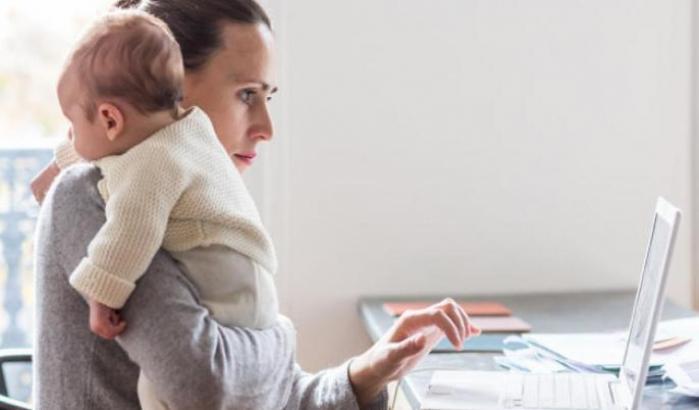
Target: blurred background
{"type": "Point", "coordinates": [449, 147]}
{"type": "Point", "coordinates": [35, 38]}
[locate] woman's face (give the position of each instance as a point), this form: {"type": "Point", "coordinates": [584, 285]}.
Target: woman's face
{"type": "Point", "coordinates": [234, 88]}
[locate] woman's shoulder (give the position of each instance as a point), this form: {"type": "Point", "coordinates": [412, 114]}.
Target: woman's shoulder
{"type": "Point", "coordinates": [75, 184]}
{"type": "Point", "coordinates": [70, 216]}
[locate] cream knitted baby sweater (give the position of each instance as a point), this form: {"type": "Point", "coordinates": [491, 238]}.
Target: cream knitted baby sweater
{"type": "Point", "coordinates": [177, 189]}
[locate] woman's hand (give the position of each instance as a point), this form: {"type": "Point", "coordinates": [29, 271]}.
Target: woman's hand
{"type": "Point", "coordinates": [42, 182]}
{"type": "Point", "coordinates": [413, 335]}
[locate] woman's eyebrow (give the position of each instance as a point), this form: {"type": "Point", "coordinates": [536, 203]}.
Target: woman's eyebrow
{"type": "Point", "coordinates": [263, 85]}
{"type": "Point", "coordinates": [267, 87]}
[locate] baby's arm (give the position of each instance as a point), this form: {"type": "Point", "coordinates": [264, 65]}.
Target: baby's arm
{"type": "Point", "coordinates": [104, 321]}
{"type": "Point", "coordinates": [64, 156]}
{"type": "Point", "coordinates": [141, 193]}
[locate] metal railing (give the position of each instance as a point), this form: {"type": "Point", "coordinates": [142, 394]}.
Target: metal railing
{"type": "Point", "coordinates": [18, 213]}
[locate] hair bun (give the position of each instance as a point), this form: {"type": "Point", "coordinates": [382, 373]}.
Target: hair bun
{"type": "Point", "coordinates": [127, 4]}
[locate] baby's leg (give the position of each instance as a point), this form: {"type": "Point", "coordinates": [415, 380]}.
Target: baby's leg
{"type": "Point", "coordinates": [146, 395]}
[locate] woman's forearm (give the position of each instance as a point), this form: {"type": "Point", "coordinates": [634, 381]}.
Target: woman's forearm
{"type": "Point", "coordinates": [332, 389]}
{"type": "Point", "coordinates": [195, 362]}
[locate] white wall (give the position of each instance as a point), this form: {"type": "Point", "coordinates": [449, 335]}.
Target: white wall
{"type": "Point", "coordinates": [464, 147]}
{"type": "Point", "coordinates": [695, 152]}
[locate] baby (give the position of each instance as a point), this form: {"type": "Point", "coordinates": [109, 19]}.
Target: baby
{"type": "Point", "coordinates": [167, 181]}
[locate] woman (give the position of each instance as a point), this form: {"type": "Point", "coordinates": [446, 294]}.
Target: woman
{"type": "Point", "coordinates": [195, 363]}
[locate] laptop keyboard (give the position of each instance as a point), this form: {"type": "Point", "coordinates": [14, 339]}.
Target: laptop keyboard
{"type": "Point", "coordinates": [556, 391]}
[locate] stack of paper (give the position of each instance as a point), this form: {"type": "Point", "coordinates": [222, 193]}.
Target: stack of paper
{"type": "Point", "coordinates": [527, 355]}
{"type": "Point", "coordinates": [676, 342]}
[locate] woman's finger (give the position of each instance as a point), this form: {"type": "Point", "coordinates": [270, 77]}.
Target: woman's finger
{"type": "Point", "coordinates": [439, 318]}
{"type": "Point", "coordinates": [457, 315]}
{"type": "Point", "coordinates": [471, 329]}
{"type": "Point", "coordinates": [475, 330]}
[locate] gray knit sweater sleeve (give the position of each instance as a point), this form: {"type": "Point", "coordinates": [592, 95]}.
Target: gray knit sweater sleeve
{"type": "Point", "coordinates": [193, 362]}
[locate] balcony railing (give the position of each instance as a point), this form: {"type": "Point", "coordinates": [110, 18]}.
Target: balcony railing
{"type": "Point", "coordinates": [18, 213]}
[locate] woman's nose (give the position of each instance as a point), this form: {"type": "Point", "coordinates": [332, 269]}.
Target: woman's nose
{"type": "Point", "coordinates": [263, 127]}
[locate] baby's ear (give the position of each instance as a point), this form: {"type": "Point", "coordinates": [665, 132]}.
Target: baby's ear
{"type": "Point", "coordinates": [110, 117]}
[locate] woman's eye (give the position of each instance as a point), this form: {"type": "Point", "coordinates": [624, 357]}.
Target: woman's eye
{"type": "Point", "coordinates": [247, 96]}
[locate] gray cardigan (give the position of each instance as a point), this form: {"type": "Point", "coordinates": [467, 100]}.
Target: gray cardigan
{"type": "Point", "coordinates": [193, 362]}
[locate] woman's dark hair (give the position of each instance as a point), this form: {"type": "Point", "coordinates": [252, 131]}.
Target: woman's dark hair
{"type": "Point", "coordinates": [196, 23]}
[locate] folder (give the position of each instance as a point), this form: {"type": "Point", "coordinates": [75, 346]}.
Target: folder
{"type": "Point", "coordinates": [491, 342]}
{"type": "Point", "coordinates": [471, 308]}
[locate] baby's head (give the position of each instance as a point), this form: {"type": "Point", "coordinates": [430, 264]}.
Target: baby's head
{"type": "Point", "coordinates": [125, 70]}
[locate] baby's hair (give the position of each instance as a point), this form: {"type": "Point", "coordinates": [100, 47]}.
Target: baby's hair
{"type": "Point", "coordinates": [132, 56]}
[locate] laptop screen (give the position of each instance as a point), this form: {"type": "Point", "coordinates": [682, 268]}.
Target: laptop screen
{"type": "Point", "coordinates": [646, 297]}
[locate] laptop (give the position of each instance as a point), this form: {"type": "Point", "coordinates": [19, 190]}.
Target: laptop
{"type": "Point", "coordinates": [461, 390]}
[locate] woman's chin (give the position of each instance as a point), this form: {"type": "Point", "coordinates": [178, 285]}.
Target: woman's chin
{"type": "Point", "coordinates": [241, 164]}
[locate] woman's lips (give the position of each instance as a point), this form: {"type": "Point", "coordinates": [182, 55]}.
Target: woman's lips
{"type": "Point", "coordinates": [246, 157]}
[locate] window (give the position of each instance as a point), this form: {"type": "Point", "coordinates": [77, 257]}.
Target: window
{"type": "Point", "coordinates": [35, 37]}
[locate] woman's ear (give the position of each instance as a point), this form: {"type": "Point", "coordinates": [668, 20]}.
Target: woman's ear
{"type": "Point", "coordinates": [110, 117]}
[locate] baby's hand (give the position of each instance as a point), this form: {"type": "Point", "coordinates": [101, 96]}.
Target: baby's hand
{"type": "Point", "coordinates": [43, 180]}
{"type": "Point", "coordinates": [105, 321]}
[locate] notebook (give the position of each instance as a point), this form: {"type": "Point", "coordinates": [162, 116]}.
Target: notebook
{"type": "Point", "coordinates": [501, 324]}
